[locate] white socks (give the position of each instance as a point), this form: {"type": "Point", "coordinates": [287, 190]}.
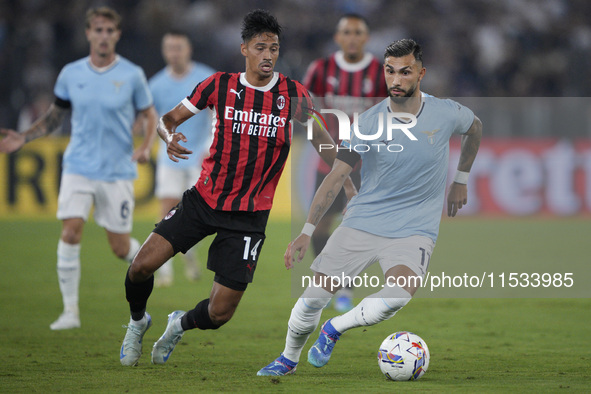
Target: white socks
{"type": "Point", "coordinates": [134, 246]}
{"type": "Point", "coordinates": [68, 273]}
{"type": "Point", "coordinates": [304, 319]}
{"type": "Point", "coordinates": [305, 315]}
{"type": "Point", "coordinates": [373, 309]}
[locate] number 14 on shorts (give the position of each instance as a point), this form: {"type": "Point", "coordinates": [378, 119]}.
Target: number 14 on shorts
{"type": "Point", "coordinates": [248, 251]}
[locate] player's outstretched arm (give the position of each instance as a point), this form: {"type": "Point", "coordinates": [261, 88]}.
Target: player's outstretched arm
{"type": "Point", "coordinates": [323, 199]}
{"type": "Point", "coordinates": [457, 196]}
{"type": "Point", "coordinates": [46, 124]}
{"type": "Point", "coordinates": [166, 130]}
{"type": "Point", "coordinates": [150, 118]}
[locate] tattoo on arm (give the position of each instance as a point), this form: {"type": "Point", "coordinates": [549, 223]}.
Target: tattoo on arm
{"type": "Point", "coordinates": [47, 124]}
{"type": "Point", "coordinates": [470, 145]}
{"type": "Point", "coordinates": [319, 209]}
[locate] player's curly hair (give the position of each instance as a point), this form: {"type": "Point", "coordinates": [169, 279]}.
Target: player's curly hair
{"type": "Point", "coordinates": [404, 47]}
{"type": "Point", "coordinates": [257, 22]}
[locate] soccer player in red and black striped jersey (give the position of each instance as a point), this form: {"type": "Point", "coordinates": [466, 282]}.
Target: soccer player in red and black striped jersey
{"type": "Point", "coordinates": [345, 80]}
{"type": "Point", "coordinates": [234, 193]}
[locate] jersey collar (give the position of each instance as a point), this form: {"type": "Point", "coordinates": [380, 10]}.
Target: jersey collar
{"type": "Point", "coordinates": [177, 77]}
{"type": "Point", "coordinates": [418, 112]}
{"type": "Point", "coordinates": [339, 58]}
{"type": "Point", "coordinates": [265, 88]}
{"type": "Point", "coordinates": [101, 70]}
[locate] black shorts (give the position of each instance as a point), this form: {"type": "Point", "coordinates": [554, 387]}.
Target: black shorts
{"type": "Point", "coordinates": [339, 202]}
{"type": "Point", "coordinates": [234, 252]}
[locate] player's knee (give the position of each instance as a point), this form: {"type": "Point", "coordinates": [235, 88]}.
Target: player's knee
{"type": "Point", "coordinates": [221, 312]}
{"type": "Point", "coordinates": [138, 271]}
{"type": "Point", "coordinates": [120, 251]}
{"type": "Point", "coordinates": [71, 236]}
{"type": "Point", "coordinates": [220, 315]}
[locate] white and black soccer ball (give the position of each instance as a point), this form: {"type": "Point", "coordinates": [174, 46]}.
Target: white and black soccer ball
{"type": "Point", "coordinates": [403, 356]}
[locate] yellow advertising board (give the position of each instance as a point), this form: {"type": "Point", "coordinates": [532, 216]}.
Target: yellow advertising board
{"type": "Point", "coordinates": [30, 178]}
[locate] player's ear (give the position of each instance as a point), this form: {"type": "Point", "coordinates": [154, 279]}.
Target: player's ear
{"type": "Point", "coordinates": [243, 49]}
{"type": "Point", "coordinates": [338, 39]}
{"type": "Point", "coordinates": [422, 73]}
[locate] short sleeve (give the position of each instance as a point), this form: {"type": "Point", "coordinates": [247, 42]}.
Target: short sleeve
{"type": "Point", "coordinates": [202, 96]}
{"type": "Point", "coordinates": [61, 86]}
{"type": "Point", "coordinates": [142, 97]}
{"type": "Point", "coordinates": [464, 118]}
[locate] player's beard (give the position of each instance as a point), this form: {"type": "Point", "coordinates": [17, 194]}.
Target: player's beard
{"type": "Point", "coordinates": [400, 100]}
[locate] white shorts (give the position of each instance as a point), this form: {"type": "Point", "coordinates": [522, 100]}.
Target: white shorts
{"type": "Point", "coordinates": [172, 182]}
{"type": "Point", "coordinates": [348, 252]}
{"type": "Point", "coordinates": [113, 202]}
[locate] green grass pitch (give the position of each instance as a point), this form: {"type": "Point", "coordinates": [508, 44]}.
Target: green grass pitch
{"type": "Point", "coordinates": [477, 344]}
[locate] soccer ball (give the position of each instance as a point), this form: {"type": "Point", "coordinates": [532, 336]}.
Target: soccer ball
{"type": "Point", "coordinates": [403, 356]}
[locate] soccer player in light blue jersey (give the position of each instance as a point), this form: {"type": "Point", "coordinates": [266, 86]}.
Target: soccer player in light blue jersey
{"type": "Point", "coordinates": [394, 220]}
{"type": "Point", "coordinates": [169, 87]}
{"type": "Point", "coordinates": [103, 92]}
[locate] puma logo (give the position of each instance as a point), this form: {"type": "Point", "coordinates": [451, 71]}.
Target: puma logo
{"type": "Point", "coordinates": [237, 93]}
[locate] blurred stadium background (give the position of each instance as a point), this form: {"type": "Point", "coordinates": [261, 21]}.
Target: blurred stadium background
{"type": "Point", "coordinates": [524, 66]}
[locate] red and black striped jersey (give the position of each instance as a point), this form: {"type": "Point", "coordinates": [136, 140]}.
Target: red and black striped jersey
{"type": "Point", "coordinates": [345, 86]}
{"type": "Point", "coordinates": [252, 137]}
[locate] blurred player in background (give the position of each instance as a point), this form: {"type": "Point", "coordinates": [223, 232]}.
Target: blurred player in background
{"type": "Point", "coordinates": [103, 91]}
{"type": "Point", "coordinates": [234, 193]}
{"type": "Point", "coordinates": [346, 80]}
{"type": "Point", "coordinates": [169, 86]}
{"type": "Point", "coordinates": [395, 217]}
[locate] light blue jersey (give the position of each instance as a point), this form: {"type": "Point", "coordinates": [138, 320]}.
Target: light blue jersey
{"type": "Point", "coordinates": [402, 193]}
{"type": "Point", "coordinates": [168, 91]}
{"type": "Point", "coordinates": [103, 111]}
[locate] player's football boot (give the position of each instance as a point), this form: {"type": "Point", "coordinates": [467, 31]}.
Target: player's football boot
{"type": "Point", "coordinates": [321, 350]}
{"type": "Point", "coordinates": [165, 345]}
{"type": "Point", "coordinates": [66, 321]}
{"type": "Point", "coordinates": [279, 367]}
{"type": "Point", "coordinates": [131, 349]}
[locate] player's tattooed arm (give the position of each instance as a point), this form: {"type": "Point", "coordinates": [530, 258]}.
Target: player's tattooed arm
{"type": "Point", "coordinates": [457, 195]}
{"type": "Point", "coordinates": [323, 199]}
{"type": "Point", "coordinates": [327, 149]}
{"type": "Point", "coordinates": [317, 211]}
{"type": "Point", "coordinates": [52, 120]}
{"type": "Point", "coordinates": [328, 190]}
{"type": "Point", "coordinates": [470, 144]}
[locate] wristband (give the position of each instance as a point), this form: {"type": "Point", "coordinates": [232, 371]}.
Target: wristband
{"type": "Point", "coordinates": [308, 229]}
{"type": "Point", "coordinates": [461, 177]}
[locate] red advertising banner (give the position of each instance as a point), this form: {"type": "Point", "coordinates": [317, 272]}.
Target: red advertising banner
{"type": "Point", "coordinates": [528, 176]}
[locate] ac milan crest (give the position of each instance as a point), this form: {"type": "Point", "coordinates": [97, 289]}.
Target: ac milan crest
{"type": "Point", "coordinates": [170, 214]}
{"type": "Point", "coordinates": [280, 102]}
